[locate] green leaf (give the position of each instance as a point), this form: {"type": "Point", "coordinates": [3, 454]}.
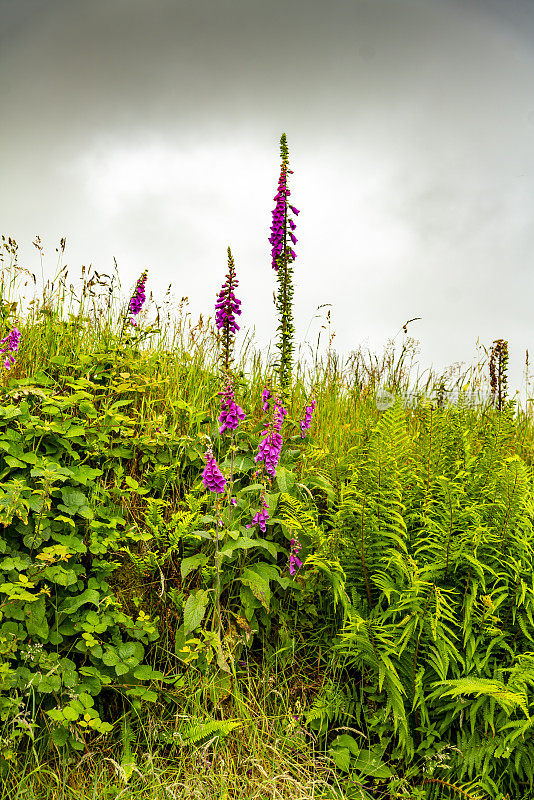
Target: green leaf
{"type": "Point", "coordinates": [110, 658]}
{"type": "Point", "coordinates": [241, 464]}
{"type": "Point", "coordinates": [342, 758]}
{"type": "Point", "coordinates": [71, 604]}
{"type": "Point", "coordinates": [191, 563]}
{"type": "Point", "coordinates": [258, 585]}
{"type": "Point", "coordinates": [84, 474]}
{"type": "Point", "coordinates": [145, 673]}
{"type": "Point", "coordinates": [285, 480]}
{"type": "Point", "coordinates": [14, 462]}
{"type": "Point", "coordinates": [88, 409]}
{"type": "Point", "coordinates": [370, 763]}
{"type": "Point", "coordinates": [70, 713]}
{"type": "Point", "coordinates": [86, 699]}
{"type": "Point", "coordinates": [244, 543]}
{"type": "Point", "coordinates": [194, 610]}
{"type": "Point", "coordinates": [75, 431]}
{"type": "Point", "coordinates": [346, 741]}
{"type": "Point", "coordinates": [59, 735]}
{"type": "Point", "coordinates": [36, 623]}
{"type": "Point", "coordinates": [73, 499]}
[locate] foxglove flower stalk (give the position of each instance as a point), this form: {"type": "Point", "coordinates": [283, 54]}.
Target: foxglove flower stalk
{"type": "Point", "coordinates": [138, 298]}
{"type": "Point", "coordinates": [306, 422]}
{"type": "Point", "coordinates": [12, 340]}
{"type": "Point", "coordinates": [278, 227]}
{"type": "Point", "coordinates": [265, 398]}
{"type": "Point", "coordinates": [231, 413]}
{"type": "Point", "coordinates": [212, 477]}
{"type": "Point", "coordinates": [261, 517]}
{"type": "Point", "coordinates": [282, 256]}
{"type": "Point", "coordinates": [270, 446]}
{"type": "Point", "coordinates": [226, 309]}
{"type": "Point", "coordinates": [294, 560]}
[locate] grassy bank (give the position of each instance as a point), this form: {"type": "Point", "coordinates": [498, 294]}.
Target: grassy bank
{"type": "Point", "coordinates": [396, 662]}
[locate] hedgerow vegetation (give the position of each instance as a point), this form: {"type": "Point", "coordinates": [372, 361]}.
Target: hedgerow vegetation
{"type": "Point", "coordinates": [331, 597]}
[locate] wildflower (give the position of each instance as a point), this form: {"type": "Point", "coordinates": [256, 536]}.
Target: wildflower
{"type": "Point", "coordinates": [306, 422]}
{"type": "Point", "coordinates": [294, 560]}
{"type": "Point", "coordinates": [279, 215]}
{"type": "Point", "coordinates": [269, 450]}
{"type": "Point", "coordinates": [212, 477]}
{"type": "Point", "coordinates": [227, 305]}
{"type": "Point", "coordinates": [270, 447]}
{"type": "Point", "coordinates": [138, 298]}
{"type": "Point", "coordinates": [261, 517]}
{"type": "Point", "coordinates": [282, 256]}
{"type": "Point", "coordinates": [226, 309]}
{"type": "Point", "coordinates": [231, 413]}
{"type": "Point", "coordinates": [279, 414]}
{"type": "Point", "coordinates": [12, 340]}
{"type": "Point", "coordinates": [265, 398]}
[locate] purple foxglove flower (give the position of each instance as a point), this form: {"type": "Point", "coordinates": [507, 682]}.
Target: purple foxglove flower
{"type": "Point", "coordinates": [12, 340]}
{"type": "Point", "coordinates": [265, 398]}
{"type": "Point", "coordinates": [231, 413]}
{"type": "Point", "coordinates": [138, 297]}
{"type": "Point", "coordinates": [306, 422]}
{"type": "Point", "coordinates": [292, 225]}
{"type": "Point", "coordinates": [293, 238]}
{"type": "Point", "coordinates": [269, 451]}
{"type": "Point", "coordinates": [279, 414]}
{"type": "Point", "coordinates": [227, 305]}
{"type": "Point", "coordinates": [294, 560]}
{"type": "Point", "coordinates": [212, 477]}
{"type": "Point", "coordinates": [260, 518]}
{"type": "Point", "coordinates": [294, 210]}
{"type": "Point", "coordinates": [279, 215]}
{"type": "Point", "coordinates": [270, 446]}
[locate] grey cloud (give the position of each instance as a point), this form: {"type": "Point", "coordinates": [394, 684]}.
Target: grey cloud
{"type": "Point", "coordinates": [409, 123]}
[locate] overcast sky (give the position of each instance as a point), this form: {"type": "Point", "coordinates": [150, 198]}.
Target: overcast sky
{"type": "Point", "coordinates": [149, 132]}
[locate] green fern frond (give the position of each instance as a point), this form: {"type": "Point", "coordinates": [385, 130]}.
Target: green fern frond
{"type": "Point", "coordinates": [454, 788]}
{"type": "Point", "coordinates": [217, 727]}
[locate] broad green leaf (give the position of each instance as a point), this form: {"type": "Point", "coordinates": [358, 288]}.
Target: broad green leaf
{"type": "Point", "coordinates": [346, 741]}
{"type": "Point", "coordinates": [70, 713]}
{"type": "Point", "coordinates": [73, 499]}
{"type": "Point", "coordinates": [342, 758]}
{"type": "Point", "coordinates": [258, 585]}
{"type": "Point", "coordinates": [145, 673]}
{"type": "Point", "coordinates": [191, 563]}
{"type": "Point", "coordinates": [285, 480]}
{"type": "Point", "coordinates": [36, 623]}
{"type": "Point", "coordinates": [88, 409]}
{"type": "Point", "coordinates": [244, 543]}
{"type": "Point", "coordinates": [71, 604]}
{"type": "Point", "coordinates": [370, 763]}
{"type": "Point", "coordinates": [194, 610]}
